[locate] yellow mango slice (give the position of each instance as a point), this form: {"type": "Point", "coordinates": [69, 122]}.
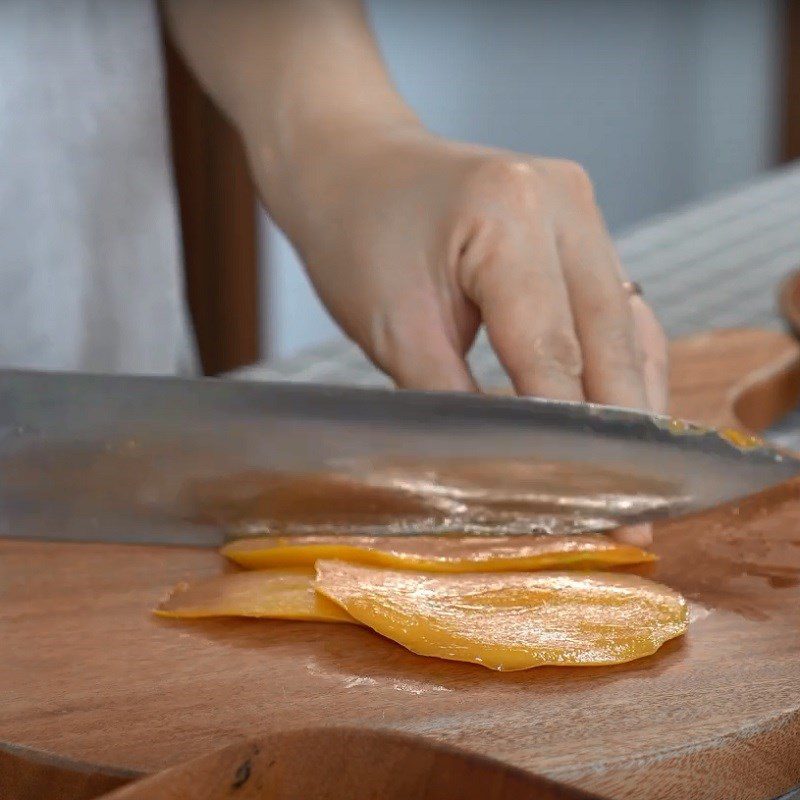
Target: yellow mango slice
{"type": "Point", "coordinates": [510, 621]}
{"type": "Point", "coordinates": [439, 553]}
{"type": "Point", "coordinates": [275, 593]}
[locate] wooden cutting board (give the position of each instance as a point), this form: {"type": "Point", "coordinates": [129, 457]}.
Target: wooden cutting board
{"type": "Point", "coordinates": [95, 692]}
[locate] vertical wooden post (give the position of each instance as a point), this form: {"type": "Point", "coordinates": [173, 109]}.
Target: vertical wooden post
{"type": "Point", "coordinates": [790, 100]}
{"type": "Point", "coordinates": [218, 222]}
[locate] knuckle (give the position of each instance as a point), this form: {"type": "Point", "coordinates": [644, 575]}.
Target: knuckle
{"type": "Point", "coordinates": [503, 206]}
{"type": "Point", "coordinates": [559, 351]}
{"type": "Point", "coordinates": [576, 181]}
{"type": "Point", "coordinates": [504, 184]}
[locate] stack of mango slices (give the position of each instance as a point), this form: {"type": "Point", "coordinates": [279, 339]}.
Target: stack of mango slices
{"type": "Point", "coordinates": [507, 603]}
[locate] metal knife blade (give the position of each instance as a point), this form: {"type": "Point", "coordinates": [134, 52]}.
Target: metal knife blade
{"type": "Point", "coordinates": [109, 458]}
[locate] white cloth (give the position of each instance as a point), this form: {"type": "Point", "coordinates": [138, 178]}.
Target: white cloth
{"type": "Point", "coordinates": [89, 243]}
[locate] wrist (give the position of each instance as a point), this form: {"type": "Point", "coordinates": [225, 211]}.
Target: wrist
{"type": "Point", "coordinates": [304, 163]}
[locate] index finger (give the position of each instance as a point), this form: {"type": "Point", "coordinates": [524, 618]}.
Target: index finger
{"type": "Point", "coordinates": [517, 284]}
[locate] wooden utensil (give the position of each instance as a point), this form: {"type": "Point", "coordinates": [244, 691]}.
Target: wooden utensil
{"type": "Point", "coordinates": [96, 692]}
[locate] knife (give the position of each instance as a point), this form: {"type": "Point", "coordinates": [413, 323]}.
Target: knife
{"type": "Point", "coordinates": [142, 459]}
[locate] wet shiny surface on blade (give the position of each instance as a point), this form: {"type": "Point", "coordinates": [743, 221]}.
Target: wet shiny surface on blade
{"type": "Point", "coordinates": [172, 461]}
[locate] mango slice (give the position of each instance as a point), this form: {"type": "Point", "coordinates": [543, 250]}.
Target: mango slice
{"type": "Point", "coordinates": [510, 621]}
{"type": "Point", "coordinates": [439, 553]}
{"type": "Point", "coordinates": [275, 593]}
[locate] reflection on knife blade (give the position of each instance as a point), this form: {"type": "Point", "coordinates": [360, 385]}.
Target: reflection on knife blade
{"type": "Point", "coordinates": [477, 496]}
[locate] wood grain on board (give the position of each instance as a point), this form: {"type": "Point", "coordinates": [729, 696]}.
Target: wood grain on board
{"type": "Point", "coordinates": [97, 684]}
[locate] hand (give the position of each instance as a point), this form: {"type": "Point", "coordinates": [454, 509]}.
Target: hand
{"type": "Point", "coordinates": [412, 242]}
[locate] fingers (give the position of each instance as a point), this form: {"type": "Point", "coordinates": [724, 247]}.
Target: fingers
{"type": "Point", "coordinates": [432, 370]}
{"type": "Point", "coordinates": [421, 357]}
{"type": "Point", "coordinates": [544, 273]}
{"type": "Point", "coordinates": [604, 319]}
{"type": "Point", "coordinates": [514, 277]}
{"type": "Point", "coordinates": [652, 344]}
